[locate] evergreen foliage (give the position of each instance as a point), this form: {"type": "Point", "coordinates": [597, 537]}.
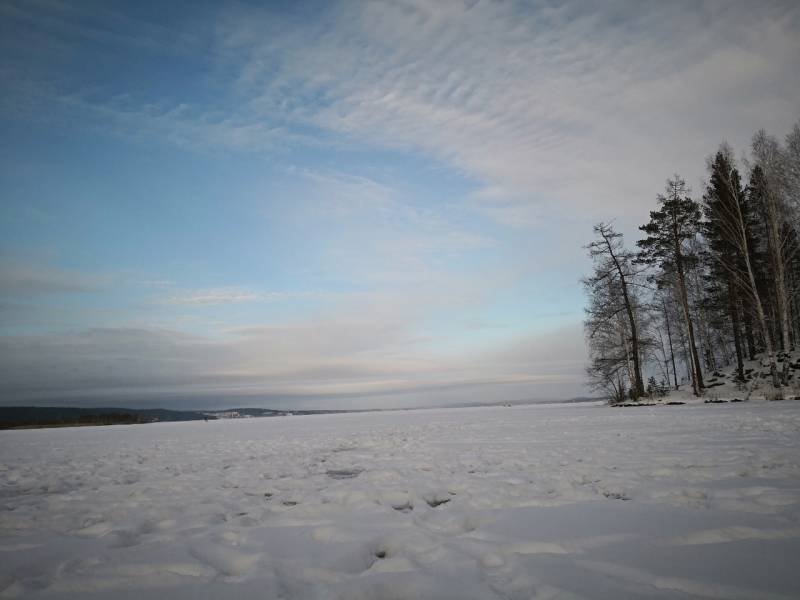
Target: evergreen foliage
{"type": "Point", "coordinates": [714, 282]}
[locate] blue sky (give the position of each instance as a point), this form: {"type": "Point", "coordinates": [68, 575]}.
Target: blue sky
{"type": "Point", "coordinates": [344, 204]}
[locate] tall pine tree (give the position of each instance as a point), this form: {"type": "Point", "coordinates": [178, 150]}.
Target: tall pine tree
{"type": "Point", "coordinates": [671, 228]}
{"type": "Point", "coordinates": [723, 208]}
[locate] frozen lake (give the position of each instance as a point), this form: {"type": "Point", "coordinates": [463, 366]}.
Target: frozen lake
{"type": "Point", "coordinates": [570, 501]}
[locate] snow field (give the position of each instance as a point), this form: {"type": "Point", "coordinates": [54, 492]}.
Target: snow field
{"type": "Point", "coordinates": [569, 501]}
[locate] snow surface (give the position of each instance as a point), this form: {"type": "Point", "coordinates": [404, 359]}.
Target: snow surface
{"type": "Point", "coordinates": [549, 502]}
{"type": "Point", "coordinates": [722, 385]}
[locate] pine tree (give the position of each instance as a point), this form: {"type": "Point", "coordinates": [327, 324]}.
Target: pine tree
{"type": "Point", "coordinates": [728, 284]}
{"type": "Point", "coordinates": [671, 228]}
{"type": "Point", "coordinates": [723, 203]}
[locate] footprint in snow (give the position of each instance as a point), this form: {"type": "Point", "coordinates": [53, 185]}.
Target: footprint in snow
{"type": "Point", "coordinates": [344, 473]}
{"type": "Point", "coordinates": [226, 560]}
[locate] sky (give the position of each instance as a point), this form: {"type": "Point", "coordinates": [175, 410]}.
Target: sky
{"type": "Point", "coordinates": [345, 204]}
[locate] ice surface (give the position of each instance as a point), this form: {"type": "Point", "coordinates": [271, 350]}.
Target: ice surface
{"type": "Point", "coordinates": [571, 501]}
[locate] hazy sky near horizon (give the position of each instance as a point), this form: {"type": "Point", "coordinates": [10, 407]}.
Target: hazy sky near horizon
{"type": "Point", "coordinates": [339, 204]}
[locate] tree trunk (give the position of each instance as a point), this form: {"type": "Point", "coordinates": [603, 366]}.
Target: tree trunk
{"type": "Point", "coordinates": [697, 375]}
{"type": "Point", "coordinates": [664, 363]}
{"type": "Point", "coordinates": [706, 344]}
{"type": "Point", "coordinates": [782, 299]}
{"type": "Point", "coordinates": [733, 303]}
{"type": "Point", "coordinates": [762, 321]}
{"type": "Point", "coordinates": [685, 354]}
{"type": "Point", "coordinates": [748, 332]}
{"type": "Point", "coordinates": [669, 337]}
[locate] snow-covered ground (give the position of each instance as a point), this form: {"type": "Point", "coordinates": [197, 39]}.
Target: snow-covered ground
{"type": "Point", "coordinates": [722, 385]}
{"type": "Point", "coordinates": [571, 501]}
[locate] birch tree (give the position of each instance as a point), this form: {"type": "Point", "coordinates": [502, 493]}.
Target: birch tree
{"type": "Point", "coordinates": [612, 322]}
{"type": "Point", "coordinates": [769, 161]}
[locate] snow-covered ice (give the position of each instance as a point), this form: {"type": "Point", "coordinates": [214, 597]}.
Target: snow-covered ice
{"type": "Point", "coordinates": [570, 501]}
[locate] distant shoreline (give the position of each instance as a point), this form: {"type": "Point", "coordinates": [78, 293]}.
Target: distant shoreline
{"type": "Point", "coordinates": [45, 417]}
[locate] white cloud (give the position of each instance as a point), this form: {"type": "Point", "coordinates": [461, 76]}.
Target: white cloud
{"type": "Point", "coordinates": [346, 194]}
{"type": "Point", "coordinates": [544, 105]}
{"type": "Point", "coordinates": [322, 363]}
{"type": "Point", "coordinates": [557, 113]}
{"type": "Point", "coordinates": [590, 106]}
{"type": "Point", "coordinates": [28, 279]}
{"type": "Point", "coordinates": [212, 296]}
{"type": "Point", "coordinates": [359, 345]}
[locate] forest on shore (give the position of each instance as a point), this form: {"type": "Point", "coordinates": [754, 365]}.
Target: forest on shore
{"type": "Point", "coordinates": [712, 282]}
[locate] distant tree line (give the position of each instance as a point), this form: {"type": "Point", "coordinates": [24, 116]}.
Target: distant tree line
{"type": "Point", "coordinates": [713, 281]}
{"type": "Point", "coordinates": [61, 416]}
{"type": "Point", "coordinates": [90, 419]}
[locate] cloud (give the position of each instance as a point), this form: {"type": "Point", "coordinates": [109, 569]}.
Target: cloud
{"type": "Point", "coordinates": [546, 114]}
{"type": "Point", "coordinates": [213, 296]}
{"type": "Point", "coordinates": [25, 280]}
{"type": "Point", "coordinates": [365, 351]}
{"type": "Point", "coordinates": [154, 283]}
{"type": "Point", "coordinates": [373, 231]}
{"type": "Point", "coordinates": [346, 194]}
{"type": "Point", "coordinates": [105, 360]}
{"type": "Point", "coordinates": [541, 105]}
